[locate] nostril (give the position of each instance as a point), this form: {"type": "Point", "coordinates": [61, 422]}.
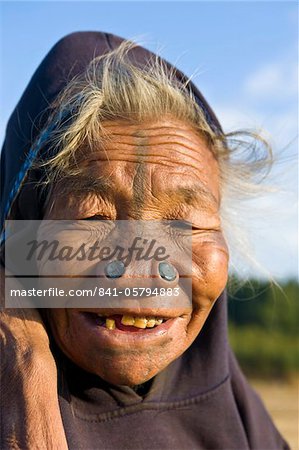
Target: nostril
{"type": "Point", "coordinates": [167, 271]}
{"type": "Point", "coordinates": [115, 269]}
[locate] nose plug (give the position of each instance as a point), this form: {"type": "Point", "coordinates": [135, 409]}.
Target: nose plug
{"type": "Point", "coordinates": [167, 271]}
{"type": "Point", "coordinates": [116, 269]}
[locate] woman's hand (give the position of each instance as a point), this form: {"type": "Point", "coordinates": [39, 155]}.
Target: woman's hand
{"type": "Point", "coordinates": [30, 415]}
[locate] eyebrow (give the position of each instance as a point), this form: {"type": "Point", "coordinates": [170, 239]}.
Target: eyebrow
{"type": "Point", "coordinates": [88, 184]}
{"type": "Point", "coordinates": [196, 195]}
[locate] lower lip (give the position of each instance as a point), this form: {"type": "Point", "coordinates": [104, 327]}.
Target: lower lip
{"type": "Point", "coordinates": [118, 338]}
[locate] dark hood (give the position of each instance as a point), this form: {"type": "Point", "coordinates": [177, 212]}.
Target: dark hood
{"type": "Point", "coordinates": [202, 398]}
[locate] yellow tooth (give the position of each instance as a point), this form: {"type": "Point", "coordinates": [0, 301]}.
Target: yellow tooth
{"type": "Point", "coordinates": [127, 320]}
{"type": "Point", "coordinates": [158, 321]}
{"type": "Point", "coordinates": [110, 324]}
{"type": "Point", "coordinates": [140, 322]}
{"type": "Point", "coordinates": [151, 322]}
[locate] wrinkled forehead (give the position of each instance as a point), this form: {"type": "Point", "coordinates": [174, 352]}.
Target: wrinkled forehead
{"type": "Point", "coordinates": [167, 147]}
{"type": "Point", "coordinates": [144, 160]}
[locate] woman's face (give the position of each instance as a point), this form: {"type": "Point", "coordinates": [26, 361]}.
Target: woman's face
{"type": "Point", "coordinates": [151, 172]}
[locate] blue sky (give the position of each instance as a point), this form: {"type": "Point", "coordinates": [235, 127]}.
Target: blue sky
{"type": "Point", "coordinates": [245, 56]}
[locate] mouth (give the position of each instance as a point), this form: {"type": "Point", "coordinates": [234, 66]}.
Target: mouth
{"type": "Point", "coordinates": [126, 322]}
{"type": "Point", "coordinates": [117, 330]}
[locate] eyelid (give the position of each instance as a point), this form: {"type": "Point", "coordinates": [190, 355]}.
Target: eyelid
{"type": "Point", "coordinates": [97, 217]}
{"type": "Point", "coordinates": [182, 224]}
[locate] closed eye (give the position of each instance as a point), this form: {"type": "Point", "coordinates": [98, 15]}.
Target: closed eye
{"type": "Point", "coordinates": [181, 224]}
{"type": "Point", "coordinates": [97, 217]}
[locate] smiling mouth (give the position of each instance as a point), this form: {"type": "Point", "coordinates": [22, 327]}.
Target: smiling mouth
{"type": "Point", "coordinates": [126, 322]}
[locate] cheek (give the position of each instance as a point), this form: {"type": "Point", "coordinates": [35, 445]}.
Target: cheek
{"type": "Point", "coordinates": [61, 328]}
{"type": "Point", "coordinates": [210, 265]}
{"type": "Point", "coordinates": [58, 322]}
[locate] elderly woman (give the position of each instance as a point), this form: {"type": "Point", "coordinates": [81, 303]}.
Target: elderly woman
{"type": "Point", "coordinates": [107, 131]}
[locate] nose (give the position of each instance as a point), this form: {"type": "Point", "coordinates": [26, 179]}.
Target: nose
{"type": "Point", "coordinates": [151, 285]}
{"type": "Point", "coordinates": [116, 269]}
{"type": "Point", "coordinates": [142, 256]}
{"type": "Point", "coordinates": [153, 274]}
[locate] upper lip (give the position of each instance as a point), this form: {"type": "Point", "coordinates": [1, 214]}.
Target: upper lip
{"type": "Point", "coordinates": [142, 312]}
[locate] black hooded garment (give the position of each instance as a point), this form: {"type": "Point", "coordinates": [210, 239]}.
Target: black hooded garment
{"type": "Point", "coordinates": [201, 400]}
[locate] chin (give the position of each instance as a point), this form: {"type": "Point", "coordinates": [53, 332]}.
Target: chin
{"type": "Point", "coordinates": [127, 376]}
{"type": "Point", "coordinates": [125, 370]}
{"type": "Point", "coordinates": [118, 356]}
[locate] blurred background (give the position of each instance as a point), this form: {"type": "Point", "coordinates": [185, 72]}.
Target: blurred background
{"type": "Point", "coordinates": [244, 58]}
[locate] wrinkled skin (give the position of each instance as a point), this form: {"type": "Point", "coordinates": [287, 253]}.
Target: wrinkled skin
{"type": "Point", "coordinates": [140, 159]}
{"type": "Point", "coordinates": [29, 409]}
